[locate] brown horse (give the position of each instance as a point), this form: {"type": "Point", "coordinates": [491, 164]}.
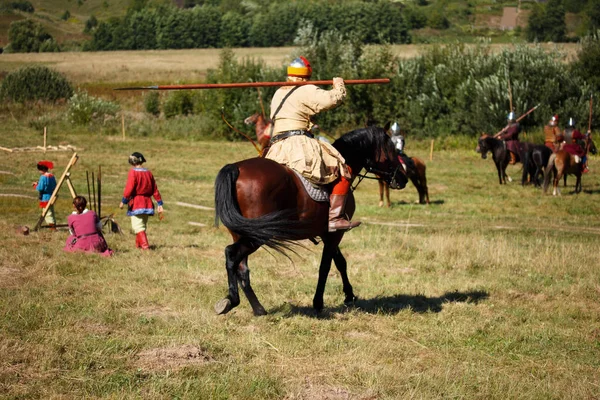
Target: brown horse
{"type": "Point", "coordinates": [262, 128]}
{"type": "Point", "coordinates": [563, 163]}
{"type": "Point", "coordinates": [416, 174]}
{"type": "Point", "coordinates": [263, 203]}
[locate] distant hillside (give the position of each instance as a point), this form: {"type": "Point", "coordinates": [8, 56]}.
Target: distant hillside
{"type": "Point", "coordinates": [50, 12]}
{"type": "Point", "coordinates": [432, 21]}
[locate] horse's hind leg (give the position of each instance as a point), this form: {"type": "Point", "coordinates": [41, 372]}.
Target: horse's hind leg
{"type": "Point", "coordinates": [244, 277]}
{"type": "Point", "coordinates": [340, 263]}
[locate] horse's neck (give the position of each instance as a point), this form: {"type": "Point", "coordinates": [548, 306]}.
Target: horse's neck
{"type": "Point", "coordinates": [261, 125]}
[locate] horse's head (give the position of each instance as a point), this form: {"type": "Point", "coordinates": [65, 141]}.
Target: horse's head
{"type": "Point", "coordinates": [592, 147]}
{"type": "Point", "coordinates": [251, 120]}
{"type": "Point", "coordinates": [371, 148]}
{"type": "Point", "coordinates": [482, 145]}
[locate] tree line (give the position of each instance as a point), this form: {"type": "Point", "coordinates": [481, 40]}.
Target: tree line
{"type": "Point", "coordinates": [278, 24]}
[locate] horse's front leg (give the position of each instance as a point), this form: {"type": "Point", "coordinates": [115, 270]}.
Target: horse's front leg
{"type": "Point", "coordinates": [578, 184]}
{"type": "Point", "coordinates": [326, 258]}
{"type": "Point", "coordinates": [341, 265]}
{"type": "Point", "coordinates": [387, 194]}
{"type": "Point", "coordinates": [233, 256]}
{"type": "Point", "coordinates": [380, 193]}
{"type": "Point", "coordinates": [244, 277]}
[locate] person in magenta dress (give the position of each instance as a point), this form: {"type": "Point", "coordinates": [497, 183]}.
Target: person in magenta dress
{"type": "Point", "coordinates": [138, 193]}
{"type": "Point", "coordinates": [86, 231]}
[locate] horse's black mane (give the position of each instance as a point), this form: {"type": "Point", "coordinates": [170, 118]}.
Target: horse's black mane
{"type": "Point", "coordinates": [352, 145]}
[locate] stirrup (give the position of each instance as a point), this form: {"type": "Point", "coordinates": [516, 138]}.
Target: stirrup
{"type": "Point", "coordinates": [344, 225]}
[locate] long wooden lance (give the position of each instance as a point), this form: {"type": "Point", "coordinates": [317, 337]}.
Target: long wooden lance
{"type": "Point", "coordinates": [590, 117]}
{"type": "Point", "coordinates": [254, 84]}
{"type": "Point", "coordinates": [518, 119]}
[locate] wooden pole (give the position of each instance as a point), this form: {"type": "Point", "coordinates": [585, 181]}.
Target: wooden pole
{"type": "Point", "coordinates": [431, 151]}
{"type": "Point", "coordinates": [99, 191]}
{"type": "Point", "coordinates": [94, 193]}
{"type": "Point", "coordinates": [45, 136]}
{"type": "Point", "coordinates": [123, 125]}
{"type": "Point", "coordinates": [87, 177]}
{"type": "Point", "coordinates": [70, 185]}
{"type": "Point", "coordinates": [254, 84]}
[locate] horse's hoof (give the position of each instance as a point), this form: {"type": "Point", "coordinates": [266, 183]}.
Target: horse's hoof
{"type": "Point", "coordinates": [259, 312]}
{"type": "Point", "coordinates": [223, 306]}
{"type": "Point", "coordinates": [350, 302]}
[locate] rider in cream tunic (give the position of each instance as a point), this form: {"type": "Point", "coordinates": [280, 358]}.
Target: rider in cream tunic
{"type": "Point", "coordinates": [293, 145]}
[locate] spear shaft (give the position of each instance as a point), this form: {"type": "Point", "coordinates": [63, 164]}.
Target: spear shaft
{"type": "Point", "coordinates": [254, 84]}
{"type": "Point", "coordinates": [518, 119]}
{"type": "Point", "coordinates": [590, 118]}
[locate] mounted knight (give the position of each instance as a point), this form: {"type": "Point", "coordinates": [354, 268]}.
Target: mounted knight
{"type": "Point", "coordinates": [292, 143]}
{"type": "Point", "coordinates": [510, 135]}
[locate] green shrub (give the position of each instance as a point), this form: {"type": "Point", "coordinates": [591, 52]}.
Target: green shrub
{"type": "Point", "coordinates": [22, 5]}
{"type": "Point", "coordinates": [66, 15]}
{"type": "Point", "coordinates": [178, 103]}
{"type": "Point", "coordinates": [587, 63]}
{"type": "Point", "coordinates": [27, 36]}
{"type": "Point", "coordinates": [35, 83]}
{"type": "Point", "coordinates": [152, 103]}
{"type": "Point", "coordinates": [84, 109]}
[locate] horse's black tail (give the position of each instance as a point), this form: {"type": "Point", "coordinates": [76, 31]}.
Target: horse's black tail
{"type": "Point", "coordinates": [277, 230]}
{"type": "Point", "coordinates": [547, 171]}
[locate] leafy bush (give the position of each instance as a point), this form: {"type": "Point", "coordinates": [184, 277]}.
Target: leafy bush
{"type": "Point", "coordinates": [22, 5]}
{"type": "Point", "coordinates": [178, 103]}
{"type": "Point", "coordinates": [587, 64]}
{"type": "Point", "coordinates": [90, 24]}
{"type": "Point", "coordinates": [547, 23]}
{"type": "Point", "coordinates": [35, 83]}
{"type": "Point", "coordinates": [152, 103]}
{"type": "Point", "coordinates": [84, 109]}
{"type": "Point", "coordinates": [66, 15]}
{"type": "Point", "coordinates": [27, 36]}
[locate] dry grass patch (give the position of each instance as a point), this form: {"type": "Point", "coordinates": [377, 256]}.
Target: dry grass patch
{"type": "Point", "coordinates": [172, 358]}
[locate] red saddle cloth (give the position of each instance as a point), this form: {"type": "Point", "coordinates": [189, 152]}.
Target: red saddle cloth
{"type": "Point", "coordinates": [574, 149]}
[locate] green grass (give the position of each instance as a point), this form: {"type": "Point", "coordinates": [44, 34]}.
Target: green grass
{"type": "Point", "coordinates": [489, 292]}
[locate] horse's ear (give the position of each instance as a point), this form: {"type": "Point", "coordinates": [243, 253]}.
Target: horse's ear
{"type": "Point", "coordinates": [387, 126]}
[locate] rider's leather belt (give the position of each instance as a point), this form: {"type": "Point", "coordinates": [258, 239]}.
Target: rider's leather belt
{"type": "Point", "coordinates": [287, 134]}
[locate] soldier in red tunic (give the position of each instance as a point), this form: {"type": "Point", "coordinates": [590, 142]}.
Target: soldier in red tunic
{"type": "Point", "coordinates": [575, 143]}
{"type": "Point", "coordinates": [138, 193]}
{"type": "Point", "coordinates": [510, 135]}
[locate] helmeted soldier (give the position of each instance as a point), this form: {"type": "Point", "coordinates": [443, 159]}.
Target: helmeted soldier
{"type": "Point", "coordinates": [552, 134]}
{"type": "Point", "coordinates": [575, 144]}
{"type": "Point", "coordinates": [510, 135]}
{"type": "Point", "coordinates": [293, 144]}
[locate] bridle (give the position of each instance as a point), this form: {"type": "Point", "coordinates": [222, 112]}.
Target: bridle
{"type": "Point", "coordinates": [389, 177]}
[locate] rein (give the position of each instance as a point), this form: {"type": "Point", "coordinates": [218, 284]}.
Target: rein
{"type": "Point", "coordinates": [375, 171]}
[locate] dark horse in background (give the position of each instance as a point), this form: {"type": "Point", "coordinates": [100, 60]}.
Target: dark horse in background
{"type": "Point", "coordinates": [263, 203]}
{"type": "Point", "coordinates": [501, 156]}
{"type": "Point", "coordinates": [415, 171]}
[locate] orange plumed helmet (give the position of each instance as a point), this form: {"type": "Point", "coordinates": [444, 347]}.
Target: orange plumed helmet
{"type": "Point", "coordinates": [300, 68]}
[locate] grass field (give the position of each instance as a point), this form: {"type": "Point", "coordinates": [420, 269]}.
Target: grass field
{"type": "Point", "coordinates": [160, 66]}
{"type": "Point", "coordinates": [489, 292]}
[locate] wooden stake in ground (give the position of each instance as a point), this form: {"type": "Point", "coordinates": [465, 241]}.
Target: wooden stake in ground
{"type": "Point", "coordinates": [93, 204]}
{"type": "Point", "coordinates": [123, 125]}
{"type": "Point", "coordinates": [99, 191]}
{"type": "Point", "coordinates": [45, 135]}
{"type": "Point", "coordinates": [431, 151]}
{"type": "Point", "coordinates": [56, 189]}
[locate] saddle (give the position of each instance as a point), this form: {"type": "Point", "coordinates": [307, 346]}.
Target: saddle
{"type": "Point", "coordinates": [316, 192]}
